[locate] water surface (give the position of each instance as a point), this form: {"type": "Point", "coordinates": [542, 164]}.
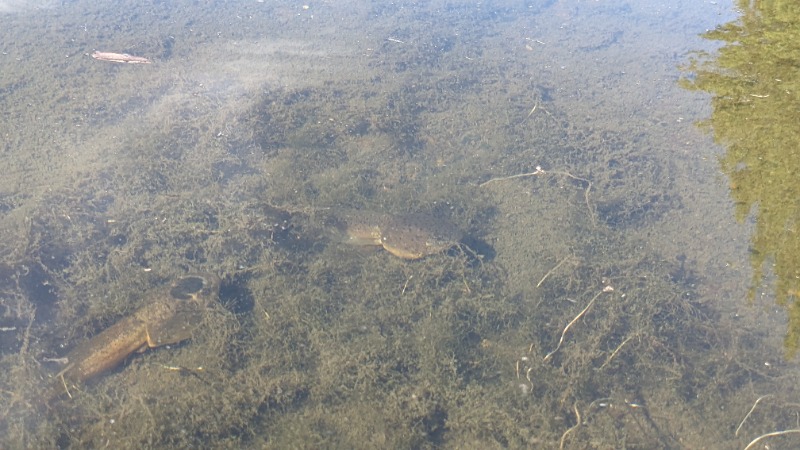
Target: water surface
{"type": "Point", "coordinates": [629, 281]}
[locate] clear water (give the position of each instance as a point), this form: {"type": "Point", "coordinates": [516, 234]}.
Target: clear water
{"type": "Point", "coordinates": [623, 178]}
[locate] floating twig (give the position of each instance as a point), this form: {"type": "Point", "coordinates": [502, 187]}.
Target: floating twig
{"type": "Point", "coordinates": [532, 110]}
{"type": "Point", "coordinates": [120, 58]}
{"type": "Point", "coordinates": [619, 347]}
{"type": "Point", "coordinates": [540, 171]}
{"type": "Point", "coordinates": [572, 428]}
{"type": "Point", "coordinates": [773, 434]}
{"type": "Point", "coordinates": [572, 322]}
{"type": "Point", "coordinates": [750, 412]}
{"type": "Point", "coordinates": [550, 272]}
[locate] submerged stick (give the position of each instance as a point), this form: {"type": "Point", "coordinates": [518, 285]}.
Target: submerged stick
{"type": "Point", "coordinates": [619, 347]}
{"type": "Point", "coordinates": [572, 428]}
{"type": "Point", "coordinates": [550, 272]}
{"type": "Point", "coordinates": [572, 322]}
{"type": "Point", "coordinates": [773, 434]}
{"type": "Point", "coordinates": [540, 171]}
{"type": "Point", "coordinates": [750, 412]}
{"type": "Point", "coordinates": [120, 58]}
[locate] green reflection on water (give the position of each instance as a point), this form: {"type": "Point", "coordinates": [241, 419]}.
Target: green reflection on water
{"type": "Point", "coordinates": [755, 81]}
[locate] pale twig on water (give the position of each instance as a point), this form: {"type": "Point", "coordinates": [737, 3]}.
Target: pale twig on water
{"type": "Point", "coordinates": [572, 322]}
{"type": "Point", "coordinates": [750, 412]}
{"type": "Point", "coordinates": [550, 272]}
{"type": "Point", "coordinates": [573, 428]}
{"type": "Point", "coordinates": [585, 193]}
{"type": "Point", "coordinates": [26, 337]}
{"type": "Point", "coordinates": [66, 388]}
{"type": "Point", "coordinates": [619, 347]}
{"type": "Point", "coordinates": [405, 286]}
{"type": "Point", "coordinates": [540, 171]}
{"type": "Point", "coordinates": [532, 110]}
{"type": "Point", "coordinates": [773, 434]}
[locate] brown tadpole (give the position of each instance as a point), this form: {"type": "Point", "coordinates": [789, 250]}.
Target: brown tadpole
{"type": "Point", "coordinates": [407, 236]}
{"type": "Point", "coordinates": [171, 315]}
